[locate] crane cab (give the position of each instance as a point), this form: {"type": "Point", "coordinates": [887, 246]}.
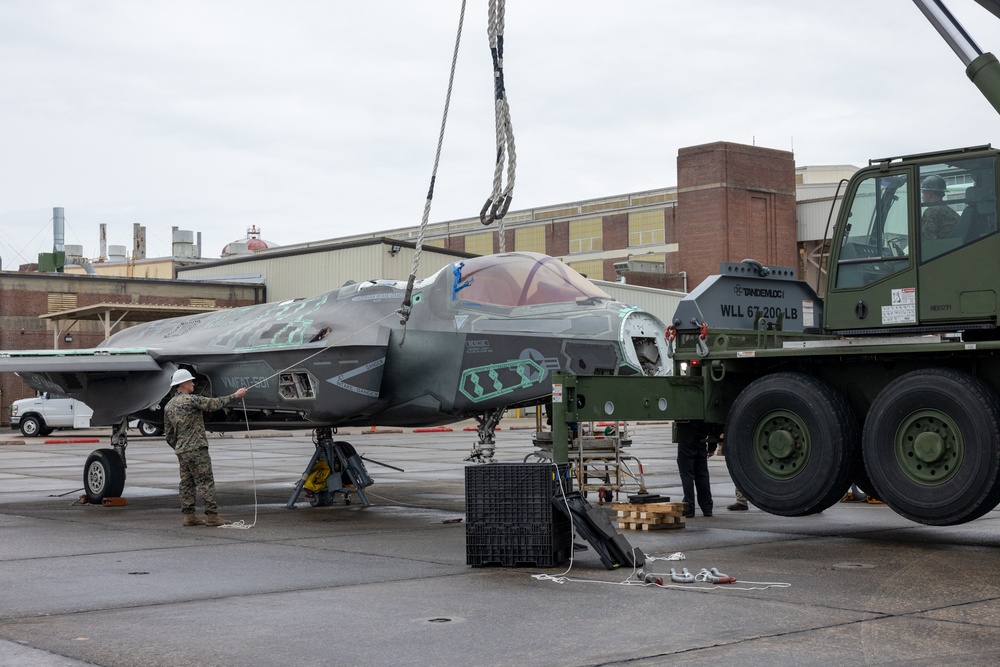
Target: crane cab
{"type": "Point", "coordinates": [915, 248]}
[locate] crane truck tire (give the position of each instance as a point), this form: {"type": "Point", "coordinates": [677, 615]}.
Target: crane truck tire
{"type": "Point", "coordinates": [931, 446]}
{"type": "Point", "coordinates": [792, 444]}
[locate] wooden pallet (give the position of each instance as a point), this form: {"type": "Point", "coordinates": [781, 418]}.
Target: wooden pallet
{"type": "Point", "coordinates": [649, 516]}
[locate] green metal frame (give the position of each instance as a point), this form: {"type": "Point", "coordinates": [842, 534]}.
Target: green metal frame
{"type": "Point", "coordinates": [629, 398]}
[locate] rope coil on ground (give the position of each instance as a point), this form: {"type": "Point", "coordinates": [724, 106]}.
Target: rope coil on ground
{"type": "Point", "coordinates": [241, 524]}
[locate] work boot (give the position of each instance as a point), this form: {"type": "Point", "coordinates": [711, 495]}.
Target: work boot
{"type": "Point", "coordinates": [214, 520]}
{"type": "Point", "coordinates": [737, 507]}
{"type": "Point", "coordinates": [192, 520]}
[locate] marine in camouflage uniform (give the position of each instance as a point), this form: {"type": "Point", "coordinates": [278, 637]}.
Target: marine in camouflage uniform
{"type": "Point", "coordinates": [938, 219]}
{"type": "Point", "coordinates": [184, 429]}
{"type": "Point", "coordinates": [938, 222]}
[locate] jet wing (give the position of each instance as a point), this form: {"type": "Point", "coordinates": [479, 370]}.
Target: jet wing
{"type": "Point", "coordinates": [113, 382]}
{"type": "Point", "coordinates": [100, 360]}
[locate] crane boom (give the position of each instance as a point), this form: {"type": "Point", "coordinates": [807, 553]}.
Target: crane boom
{"type": "Point", "coordinates": [982, 68]}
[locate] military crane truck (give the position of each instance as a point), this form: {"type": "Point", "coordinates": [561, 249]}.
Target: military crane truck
{"type": "Point", "coordinates": [892, 380]}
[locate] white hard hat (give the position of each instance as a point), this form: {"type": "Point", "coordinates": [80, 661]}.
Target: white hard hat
{"type": "Point", "coordinates": [180, 377]}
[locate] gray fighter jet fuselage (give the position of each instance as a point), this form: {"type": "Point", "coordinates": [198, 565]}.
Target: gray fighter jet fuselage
{"type": "Point", "coordinates": [483, 334]}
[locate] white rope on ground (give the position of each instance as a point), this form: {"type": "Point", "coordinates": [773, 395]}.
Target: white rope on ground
{"type": "Point", "coordinates": [674, 556]}
{"type": "Point", "coordinates": [633, 578]}
{"type": "Point", "coordinates": [752, 585]}
{"type": "Point", "coordinates": [402, 504]}
{"type": "Point", "coordinates": [497, 205]}
{"type": "Point", "coordinates": [405, 309]}
{"type": "Point", "coordinates": [241, 524]}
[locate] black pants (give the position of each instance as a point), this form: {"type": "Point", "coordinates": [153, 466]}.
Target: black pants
{"type": "Point", "coordinates": [692, 464]}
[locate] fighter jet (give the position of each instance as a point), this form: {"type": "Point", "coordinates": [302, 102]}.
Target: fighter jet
{"type": "Point", "coordinates": [482, 335]}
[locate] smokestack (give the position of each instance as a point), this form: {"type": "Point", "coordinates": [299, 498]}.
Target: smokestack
{"type": "Point", "coordinates": [104, 243]}
{"type": "Point", "coordinates": [58, 229]}
{"type": "Point", "coordinates": [197, 248]}
{"type": "Point", "coordinates": [138, 241]}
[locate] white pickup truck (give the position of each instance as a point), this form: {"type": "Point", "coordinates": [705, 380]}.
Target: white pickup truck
{"type": "Point", "coordinates": [46, 412]}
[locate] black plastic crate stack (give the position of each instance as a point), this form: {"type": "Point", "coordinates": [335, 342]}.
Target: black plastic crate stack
{"type": "Point", "coordinates": [510, 519]}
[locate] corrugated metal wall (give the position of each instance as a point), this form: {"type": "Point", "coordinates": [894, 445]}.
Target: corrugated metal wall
{"type": "Point", "coordinates": [661, 303]}
{"type": "Point", "coordinates": [812, 218]}
{"type": "Point", "coordinates": [308, 274]}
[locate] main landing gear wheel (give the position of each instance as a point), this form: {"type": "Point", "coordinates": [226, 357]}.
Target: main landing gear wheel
{"type": "Point", "coordinates": [320, 498]}
{"type": "Point", "coordinates": [149, 429]}
{"type": "Point", "coordinates": [791, 444]}
{"type": "Point", "coordinates": [932, 446]}
{"type": "Point", "coordinates": [103, 475]}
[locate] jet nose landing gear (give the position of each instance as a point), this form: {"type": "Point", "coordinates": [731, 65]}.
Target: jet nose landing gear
{"type": "Point", "coordinates": [486, 424]}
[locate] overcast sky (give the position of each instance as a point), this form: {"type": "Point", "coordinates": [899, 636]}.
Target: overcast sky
{"type": "Point", "coordinates": [319, 119]}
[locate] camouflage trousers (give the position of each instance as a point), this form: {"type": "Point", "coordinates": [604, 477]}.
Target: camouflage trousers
{"type": "Point", "coordinates": [196, 474]}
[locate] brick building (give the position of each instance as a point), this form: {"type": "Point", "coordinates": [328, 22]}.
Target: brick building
{"type": "Point", "coordinates": [731, 202]}
{"type": "Point", "coordinates": [24, 297]}
{"type": "Point", "coordinates": [734, 202]}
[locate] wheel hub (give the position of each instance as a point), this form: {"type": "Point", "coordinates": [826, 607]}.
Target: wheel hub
{"type": "Point", "coordinates": [96, 477]}
{"type": "Point", "coordinates": [781, 444]}
{"type": "Point", "coordinates": [929, 447]}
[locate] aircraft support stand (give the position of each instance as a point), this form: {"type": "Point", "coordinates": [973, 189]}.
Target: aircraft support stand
{"type": "Point", "coordinates": [344, 470]}
{"type": "Point", "coordinates": [486, 424]}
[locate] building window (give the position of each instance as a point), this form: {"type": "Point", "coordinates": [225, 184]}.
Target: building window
{"type": "Point", "coordinates": [479, 244]}
{"type": "Point", "coordinates": [585, 235]}
{"type": "Point", "coordinates": [957, 206]}
{"type": "Point", "coordinates": [645, 228]}
{"type": "Point", "coordinates": [530, 239]}
{"type": "Point", "coordinates": [593, 269]}
{"type": "Point", "coordinates": [650, 257]}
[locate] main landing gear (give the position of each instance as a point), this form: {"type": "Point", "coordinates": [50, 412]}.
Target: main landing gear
{"type": "Point", "coordinates": [334, 468]}
{"type": "Point", "coordinates": [104, 472]}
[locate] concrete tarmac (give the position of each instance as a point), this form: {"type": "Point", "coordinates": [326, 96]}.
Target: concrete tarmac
{"type": "Point", "coordinates": [388, 584]}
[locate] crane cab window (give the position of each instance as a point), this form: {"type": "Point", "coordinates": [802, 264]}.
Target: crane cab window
{"type": "Point", "coordinates": [957, 205]}
{"type": "Point", "coordinates": [876, 241]}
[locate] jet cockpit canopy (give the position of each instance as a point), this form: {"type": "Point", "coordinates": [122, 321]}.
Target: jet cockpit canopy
{"type": "Point", "coordinates": [520, 279]}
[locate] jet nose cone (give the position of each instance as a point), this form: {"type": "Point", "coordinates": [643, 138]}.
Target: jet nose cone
{"type": "Point", "coordinates": [643, 339]}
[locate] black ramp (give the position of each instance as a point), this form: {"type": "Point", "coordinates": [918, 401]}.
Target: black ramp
{"type": "Point", "coordinates": [594, 526]}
